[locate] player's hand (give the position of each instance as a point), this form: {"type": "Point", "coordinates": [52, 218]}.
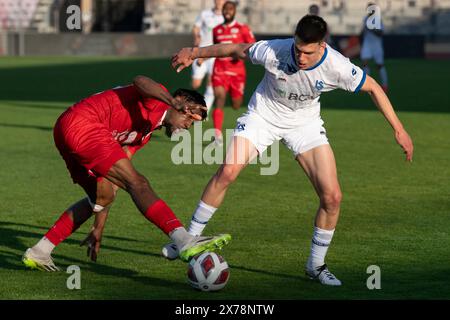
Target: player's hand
{"type": "Point", "coordinates": [404, 140]}
{"type": "Point", "coordinates": [93, 241]}
{"type": "Point", "coordinates": [189, 108]}
{"type": "Point", "coordinates": [182, 59]}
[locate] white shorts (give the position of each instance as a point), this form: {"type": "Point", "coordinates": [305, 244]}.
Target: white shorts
{"type": "Point", "coordinates": [262, 134]}
{"type": "Point", "coordinates": [372, 50]}
{"type": "Point", "coordinates": [199, 72]}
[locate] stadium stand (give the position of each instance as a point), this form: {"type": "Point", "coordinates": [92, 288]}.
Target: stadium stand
{"type": "Point", "coordinates": [265, 16]}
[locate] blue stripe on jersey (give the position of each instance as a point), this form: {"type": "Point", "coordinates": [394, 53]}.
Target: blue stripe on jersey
{"type": "Point", "coordinates": [320, 62]}
{"type": "Point", "coordinates": [361, 83]}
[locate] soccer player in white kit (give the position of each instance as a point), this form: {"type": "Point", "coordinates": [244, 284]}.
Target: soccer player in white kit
{"type": "Point", "coordinates": [372, 48]}
{"type": "Point", "coordinates": [202, 32]}
{"type": "Point", "coordinates": [286, 107]}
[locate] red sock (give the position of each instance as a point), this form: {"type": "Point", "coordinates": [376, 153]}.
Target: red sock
{"type": "Point", "coordinates": [162, 216]}
{"type": "Point", "coordinates": [62, 228]}
{"type": "Point", "coordinates": [217, 116]}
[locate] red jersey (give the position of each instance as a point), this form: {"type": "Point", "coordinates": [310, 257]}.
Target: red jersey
{"type": "Point", "coordinates": [234, 32]}
{"type": "Point", "coordinates": [128, 116]}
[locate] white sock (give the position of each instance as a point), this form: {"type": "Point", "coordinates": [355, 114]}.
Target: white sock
{"type": "Point", "coordinates": [319, 246]}
{"type": "Point", "coordinates": [200, 218]}
{"type": "Point", "coordinates": [44, 246]}
{"type": "Point", "coordinates": [180, 237]}
{"type": "Point", "coordinates": [383, 76]}
{"type": "Point", "coordinates": [209, 97]}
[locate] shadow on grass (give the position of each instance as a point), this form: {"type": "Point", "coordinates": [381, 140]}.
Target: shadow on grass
{"type": "Point", "coordinates": [12, 260]}
{"type": "Point", "coordinates": [11, 238]}
{"type": "Point", "coordinates": [267, 273]}
{"type": "Point", "coordinates": [26, 126]}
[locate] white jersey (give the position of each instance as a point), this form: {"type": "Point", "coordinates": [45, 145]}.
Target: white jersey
{"type": "Point", "coordinates": [288, 97]}
{"type": "Point", "coordinates": [206, 21]}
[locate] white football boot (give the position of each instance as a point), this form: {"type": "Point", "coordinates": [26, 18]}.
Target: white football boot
{"type": "Point", "coordinates": [37, 261]}
{"type": "Point", "coordinates": [322, 274]}
{"type": "Point", "coordinates": [170, 251]}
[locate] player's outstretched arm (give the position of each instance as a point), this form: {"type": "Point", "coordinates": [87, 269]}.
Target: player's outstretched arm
{"type": "Point", "coordinates": [384, 105]}
{"type": "Point", "coordinates": [149, 88]}
{"type": "Point", "coordinates": [186, 56]}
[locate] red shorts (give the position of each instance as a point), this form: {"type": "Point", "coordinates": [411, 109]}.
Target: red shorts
{"type": "Point", "coordinates": [234, 84]}
{"type": "Point", "coordinates": [86, 146]}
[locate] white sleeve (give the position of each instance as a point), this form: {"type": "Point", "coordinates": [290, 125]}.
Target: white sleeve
{"type": "Point", "coordinates": [351, 77]}
{"type": "Point", "coordinates": [258, 53]}
{"type": "Point", "coordinates": [199, 20]}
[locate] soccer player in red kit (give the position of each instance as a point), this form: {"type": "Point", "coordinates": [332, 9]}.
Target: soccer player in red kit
{"type": "Point", "coordinates": [97, 137]}
{"type": "Point", "coordinates": [229, 74]}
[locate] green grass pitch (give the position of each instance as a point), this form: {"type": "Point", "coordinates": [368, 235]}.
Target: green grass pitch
{"type": "Point", "coordinates": [394, 215]}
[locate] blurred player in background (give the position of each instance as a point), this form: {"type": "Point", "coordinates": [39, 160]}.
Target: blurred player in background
{"type": "Point", "coordinates": [97, 138]}
{"type": "Point", "coordinates": [285, 106]}
{"type": "Point", "coordinates": [372, 46]}
{"type": "Point", "coordinates": [314, 10]}
{"type": "Point", "coordinates": [202, 32]}
{"type": "Point", "coordinates": [229, 74]}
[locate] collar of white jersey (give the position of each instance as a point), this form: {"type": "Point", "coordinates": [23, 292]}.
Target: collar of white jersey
{"type": "Point", "coordinates": [325, 53]}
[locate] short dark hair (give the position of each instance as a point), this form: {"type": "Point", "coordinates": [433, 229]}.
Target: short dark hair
{"type": "Point", "coordinates": [311, 29]}
{"type": "Point", "coordinates": [193, 97]}
{"type": "Point", "coordinates": [234, 3]}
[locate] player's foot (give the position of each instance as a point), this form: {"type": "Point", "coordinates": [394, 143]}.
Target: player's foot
{"type": "Point", "coordinates": [170, 251]}
{"type": "Point", "coordinates": [34, 260]}
{"type": "Point", "coordinates": [201, 244]}
{"type": "Point", "coordinates": [322, 274]}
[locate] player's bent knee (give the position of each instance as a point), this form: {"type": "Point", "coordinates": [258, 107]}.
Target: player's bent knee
{"type": "Point", "coordinates": [331, 200]}
{"type": "Point", "coordinates": [228, 174]}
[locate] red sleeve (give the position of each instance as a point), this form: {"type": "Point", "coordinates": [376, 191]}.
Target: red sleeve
{"type": "Point", "coordinates": [165, 89]}
{"type": "Point", "coordinates": [248, 35]}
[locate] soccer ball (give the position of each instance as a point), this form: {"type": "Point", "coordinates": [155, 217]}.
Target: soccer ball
{"type": "Point", "coordinates": [208, 272]}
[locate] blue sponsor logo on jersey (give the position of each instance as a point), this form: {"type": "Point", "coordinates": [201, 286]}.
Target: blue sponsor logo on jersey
{"type": "Point", "coordinates": [319, 85]}
{"type": "Point", "coordinates": [353, 72]}
{"type": "Point", "coordinates": [240, 127]}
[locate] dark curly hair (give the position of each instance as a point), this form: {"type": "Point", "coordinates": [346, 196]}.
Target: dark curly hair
{"type": "Point", "coordinates": [193, 97]}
